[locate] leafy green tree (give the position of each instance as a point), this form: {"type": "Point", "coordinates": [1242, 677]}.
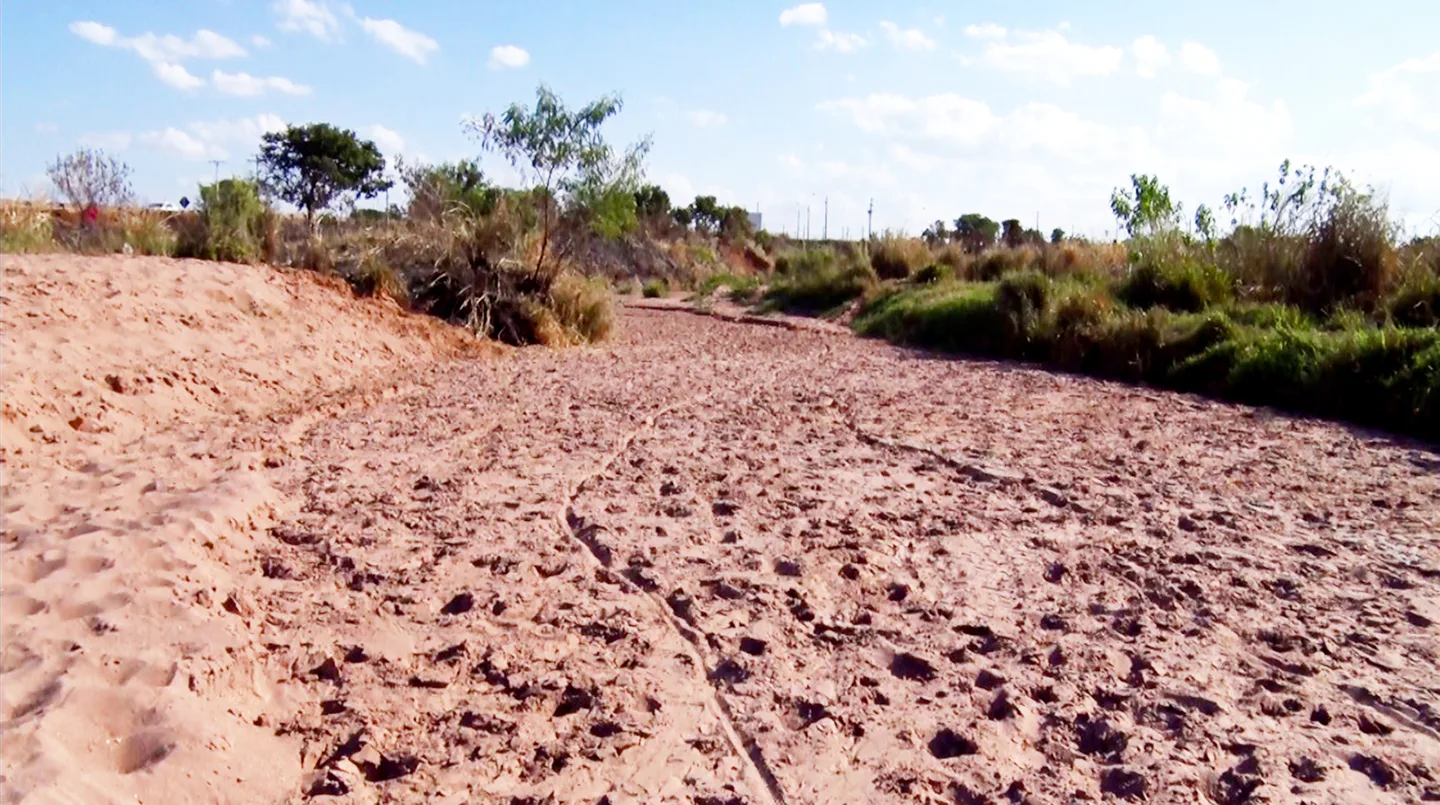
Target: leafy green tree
{"type": "Point", "coordinates": [89, 176]}
{"type": "Point", "coordinates": [652, 203]}
{"type": "Point", "coordinates": [550, 141]}
{"type": "Point", "coordinates": [603, 194]}
{"type": "Point", "coordinates": [975, 232]}
{"type": "Point", "coordinates": [706, 213]}
{"type": "Point", "coordinates": [1145, 208]}
{"type": "Point", "coordinates": [313, 165]}
{"type": "Point", "coordinates": [1056, 235]}
{"type": "Point", "coordinates": [683, 216]}
{"type": "Point", "coordinates": [450, 187]}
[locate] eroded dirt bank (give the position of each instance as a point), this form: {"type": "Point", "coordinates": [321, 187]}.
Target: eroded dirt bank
{"type": "Point", "coordinates": [712, 562]}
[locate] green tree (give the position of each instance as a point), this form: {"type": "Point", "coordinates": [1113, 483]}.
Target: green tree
{"type": "Point", "coordinates": [652, 203]}
{"type": "Point", "coordinates": [89, 176]}
{"type": "Point", "coordinates": [976, 232]}
{"type": "Point", "coordinates": [1056, 235]}
{"type": "Point", "coordinates": [313, 165]}
{"type": "Point", "coordinates": [550, 141]}
{"type": "Point", "coordinates": [1145, 208]}
{"type": "Point", "coordinates": [706, 213]}
{"type": "Point", "coordinates": [682, 216]}
{"type": "Point", "coordinates": [603, 193]}
{"type": "Point", "coordinates": [450, 187]}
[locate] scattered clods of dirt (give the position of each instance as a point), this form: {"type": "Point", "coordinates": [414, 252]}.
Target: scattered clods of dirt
{"type": "Point", "coordinates": [1376, 769]}
{"type": "Point", "coordinates": [1122, 783]}
{"type": "Point", "coordinates": [788, 567]}
{"type": "Point", "coordinates": [573, 700]}
{"type": "Point", "coordinates": [1095, 736]}
{"type": "Point", "coordinates": [907, 666]}
{"type": "Point", "coordinates": [948, 744]}
{"type": "Point", "coordinates": [752, 646]}
{"type": "Point", "coordinates": [460, 604]}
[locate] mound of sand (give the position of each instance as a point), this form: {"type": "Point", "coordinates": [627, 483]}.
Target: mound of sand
{"type": "Point", "coordinates": [141, 396]}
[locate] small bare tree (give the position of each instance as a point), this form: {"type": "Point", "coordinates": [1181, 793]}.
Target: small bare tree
{"type": "Point", "coordinates": [89, 176]}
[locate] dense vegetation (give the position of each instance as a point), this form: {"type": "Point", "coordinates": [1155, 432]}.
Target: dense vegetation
{"type": "Point", "coordinates": [1308, 298]}
{"type": "Point", "coordinates": [1306, 303]}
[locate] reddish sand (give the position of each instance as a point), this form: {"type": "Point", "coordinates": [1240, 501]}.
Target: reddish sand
{"type": "Point", "coordinates": [708, 562]}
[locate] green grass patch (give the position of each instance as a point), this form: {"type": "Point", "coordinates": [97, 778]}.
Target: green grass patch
{"type": "Point", "coordinates": [1350, 369]}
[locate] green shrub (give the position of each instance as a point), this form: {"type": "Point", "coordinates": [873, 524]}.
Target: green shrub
{"type": "Point", "coordinates": [933, 273]}
{"type": "Point", "coordinates": [229, 223]}
{"type": "Point", "coordinates": [1415, 304]}
{"type": "Point", "coordinates": [1022, 299]}
{"type": "Point", "coordinates": [740, 287]}
{"type": "Point", "coordinates": [1269, 315]}
{"type": "Point", "coordinates": [992, 264]}
{"type": "Point", "coordinates": [1175, 282]}
{"type": "Point", "coordinates": [1350, 257]}
{"type": "Point", "coordinates": [820, 279]}
{"type": "Point", "coordinates": [655, 288]}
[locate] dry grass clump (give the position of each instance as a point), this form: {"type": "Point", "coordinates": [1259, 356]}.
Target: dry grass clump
{"type": "Point", "coordinates": [894, 256]}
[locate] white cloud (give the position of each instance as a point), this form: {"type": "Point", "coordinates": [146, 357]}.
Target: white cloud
{"type": "Point", "coordinates": [166, 53]}
{"type": "Point", "coordinates": [1407, 94]}
{"type": "Point", "coordinates": [388, 140]}
{"type": "Point", "coordinates": [245, 85]}
{"type": "Point", "coordinates": [1197, 58]}
{"type": "Point", "coordinates": [960, 125]}
{"type": "Point", "coordinates": [213, 139]}
{"type": "Point", "coordinates": [107, 140]}
{"type": "Point", "coordinates": [503, 56]}
{"type": "Point", "coordinates": [245, 130]}
{"type": "Point", "coordinates": [988, 30]}
{"type": "Point", "coordinates": [804, 14]}
{"type": "Point", "coordinates": [706, 118]}
{"type": "Point", "coordinates": [1229, 121]}
{"type": "Point", "coordinates": [177, 142]}
{"type": "Point", "coordinates": [1151, 56]}
{"type": "Point", "coordinates": [907, 38]}
{"type": "Point", "coordinates": [260, 41]}
{"type": "Point", "coordinates": [312, 17]}
{"type": "Point", "coordinates": [839, 42]}
{"type": "Point", "coordinates": [176, 75]}
{"type": "Point", "coordinates": [154, 47]}
{"type": "Point", "coordinates": [1048, 56]}
{"type": "Point", "coordinates": [95, 32]}
{"type": "Point", "coordinates": [412, 45]}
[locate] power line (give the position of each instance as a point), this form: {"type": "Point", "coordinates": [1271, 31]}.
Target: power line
{"type": "Point", "coordinates": [217, 163]}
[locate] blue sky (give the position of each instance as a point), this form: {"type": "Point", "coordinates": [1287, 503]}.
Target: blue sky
{"type": "Point", "coordinates": [932, 109]}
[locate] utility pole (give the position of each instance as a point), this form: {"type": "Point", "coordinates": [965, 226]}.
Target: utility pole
{"type": "Point", "coordinates": [870, 221]}
{"type": "Point", "coordinates": [825, 227]}
{"type": "Point", "coordinates": [807, 222]}
{"type": "Point", "coordinates": [217, 163]}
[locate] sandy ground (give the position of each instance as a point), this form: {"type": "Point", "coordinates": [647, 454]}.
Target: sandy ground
{"type": "Point", "coordinates": [714, 562]}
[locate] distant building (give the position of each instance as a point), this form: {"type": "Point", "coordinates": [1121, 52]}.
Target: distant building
{"type": "Point", "coordinates": [754, 221]}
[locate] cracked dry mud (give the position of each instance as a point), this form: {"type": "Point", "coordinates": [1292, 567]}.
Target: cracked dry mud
{"type": "Point", "coordinates": [718, 563]}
